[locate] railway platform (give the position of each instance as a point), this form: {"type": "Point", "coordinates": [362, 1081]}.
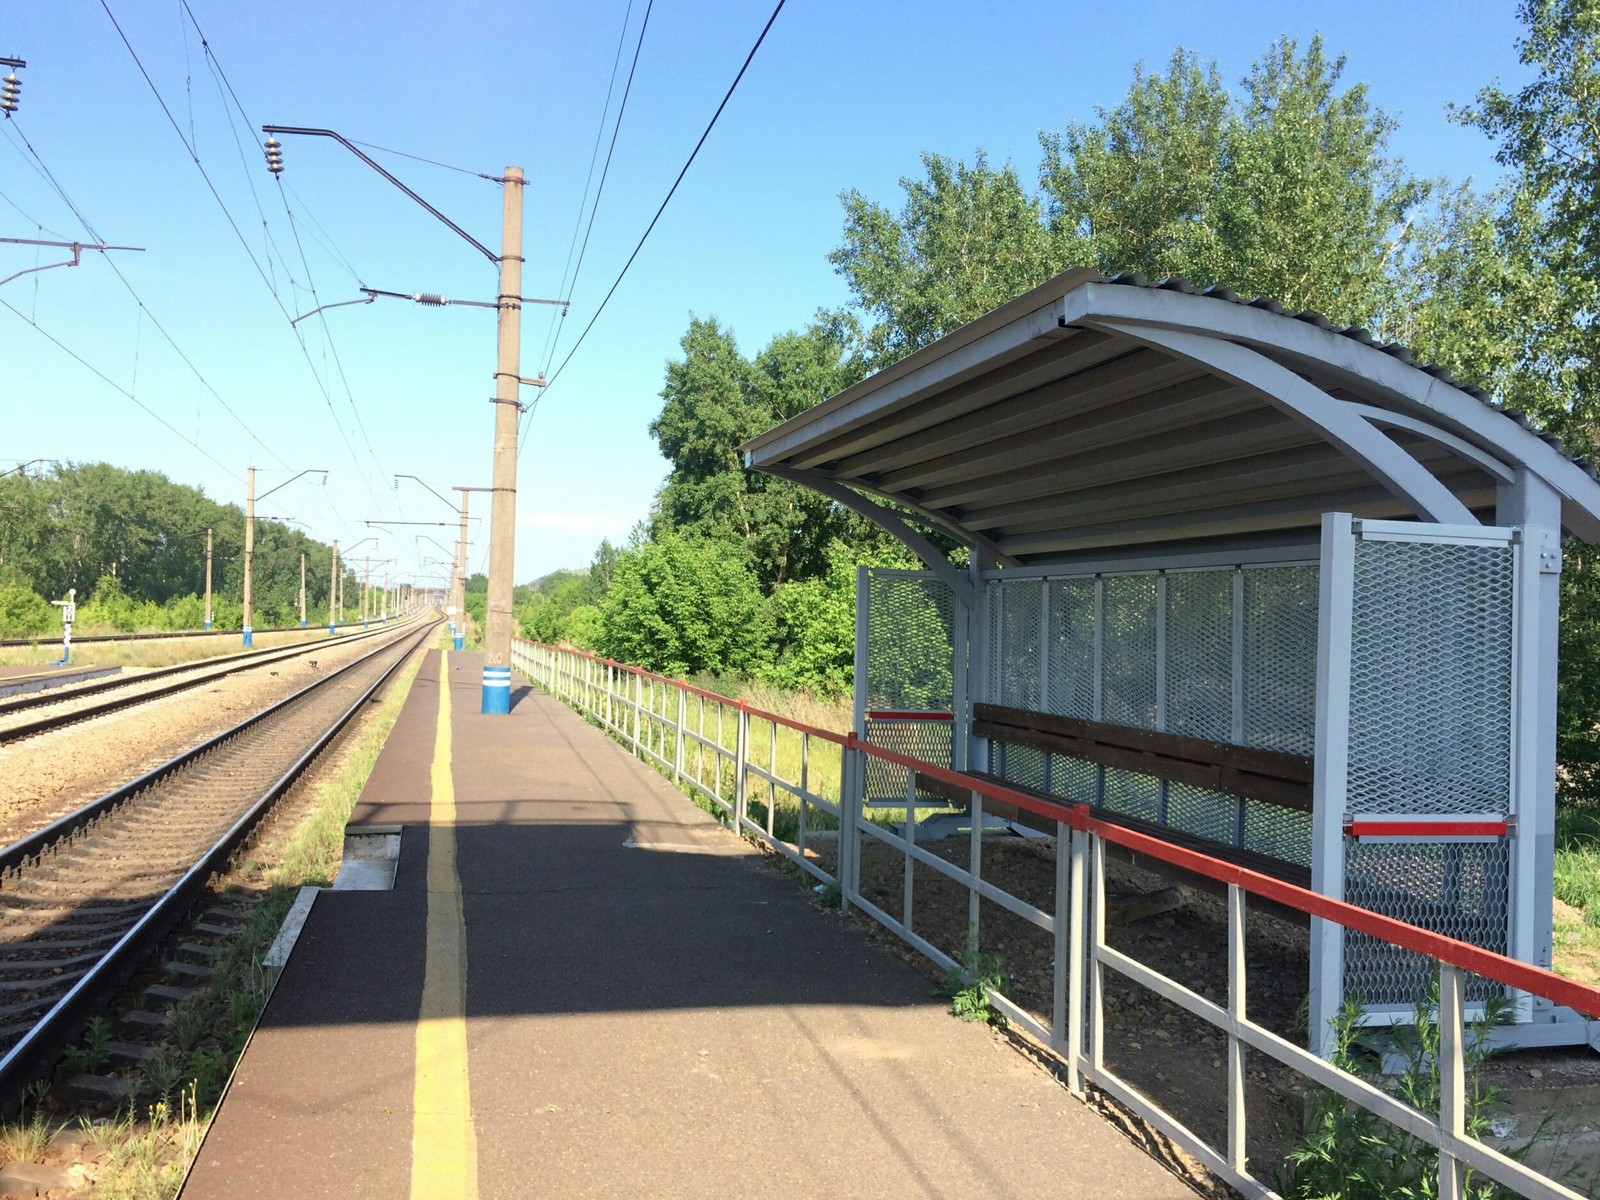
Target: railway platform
{"type": "Point", "coordinates": [582, 985]}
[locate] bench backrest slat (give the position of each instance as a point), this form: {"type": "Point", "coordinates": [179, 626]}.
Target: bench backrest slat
{"type": "Point", "coordinates": [1270, 776]}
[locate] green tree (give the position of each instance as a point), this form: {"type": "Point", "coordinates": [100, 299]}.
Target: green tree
{"type": "Point", "coordinates": [25, 614]}
{"type": "Point", "coordinates": [967, 239]}
{"type": "Point", "coordinates": [715, 400]}
{"type": "Point", "coordinates": [1547, 227]}
{"type": "Point", "coordinates": [1285, 189]}
{"type": "Point", "coordinates": [1548, 137]}
{"type": "Point", "coordinates": [815, 628]}
{"type": "Point", "coordinates": [685, 607]}
{"type": "Point", "coordinates": [584, 626]}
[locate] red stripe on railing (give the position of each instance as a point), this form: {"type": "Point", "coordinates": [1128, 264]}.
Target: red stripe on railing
{"type": "Point", "coordinates": [1425, 828]}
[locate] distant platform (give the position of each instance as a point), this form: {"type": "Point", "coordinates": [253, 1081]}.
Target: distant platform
{"type": "Point", "coordinates": [18, 681]}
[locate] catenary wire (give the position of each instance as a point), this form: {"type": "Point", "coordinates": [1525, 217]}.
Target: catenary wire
{"type": "Point", "coordinates": [223, 82]}
{"type": "Point", "coordinates": [234, 225]}
{"type": "Point", "coordinates": [143, 308]}
{"type": "Point", "coordinates": [122, 390]}
{"type": "Point", "coordinates": [558, 319]}
{"type": "Point", "coordinates": [670, 192]}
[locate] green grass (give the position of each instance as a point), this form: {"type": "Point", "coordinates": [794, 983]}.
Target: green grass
{"type": "Point", "coordinates": [1577, 892]}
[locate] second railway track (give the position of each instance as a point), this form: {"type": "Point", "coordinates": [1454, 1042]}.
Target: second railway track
{"type": "Point", "coordinates": [43, 712]}
{"type": "Point", "coordinates": [81, 900]}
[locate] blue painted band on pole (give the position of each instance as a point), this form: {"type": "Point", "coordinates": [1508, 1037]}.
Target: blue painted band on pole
{"type": "Point", "coordinates": [496, 689]}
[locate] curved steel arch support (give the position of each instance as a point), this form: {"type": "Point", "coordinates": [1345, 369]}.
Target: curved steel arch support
{"type": "Point", "coordinates": [890, 523]}
{"type": "Point", "coordinates": [1403, 476]}
{"type": "Point", "coordinates": [1383, 418]}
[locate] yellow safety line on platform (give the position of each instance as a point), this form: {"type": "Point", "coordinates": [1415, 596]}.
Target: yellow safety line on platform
{"type": "Point", "coordinates": [444, 1145]}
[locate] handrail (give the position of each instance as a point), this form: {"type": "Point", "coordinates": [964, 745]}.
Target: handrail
{"type": "Point", "coordinates": [1077, 816]}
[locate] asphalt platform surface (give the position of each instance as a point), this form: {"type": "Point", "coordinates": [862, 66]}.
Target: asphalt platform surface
{"type": "Point", "coordinates": [651, 1010]}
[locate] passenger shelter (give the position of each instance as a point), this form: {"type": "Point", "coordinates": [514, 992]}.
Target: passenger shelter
{"type": "Point", "coordinates": [1257, 583]}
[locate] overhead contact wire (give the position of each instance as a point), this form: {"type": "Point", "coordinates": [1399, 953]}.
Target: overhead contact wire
{"type": "Point", "coordinates": [670, 193]}
{"type": "Point", "coordinates": [558, 319]}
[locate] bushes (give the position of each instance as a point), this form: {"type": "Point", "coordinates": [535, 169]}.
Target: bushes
{"type": "Point", "coordinates": [25, 614]}
{"type": "Point", "coordinates": [685, 607]}
{"type": "Point", "coordinates": [815, 629]}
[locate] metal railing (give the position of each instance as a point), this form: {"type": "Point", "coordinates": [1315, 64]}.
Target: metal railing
{"type": "Point", "coordinates": [713, 746]}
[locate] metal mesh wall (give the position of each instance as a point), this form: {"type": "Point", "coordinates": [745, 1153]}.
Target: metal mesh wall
{"type": "Point", "coordinates": [1069, 687]}
{"type": "Point", "coordinates": [1430, 735]}
{"type": "Point", "coordinates": [925, 740]}
{"type": "Point", "coordinates": [1018, 677]}
{"type": "Point", "coordinates": [1237, 657]}
{"type": "Point", "coordinates": [1280, 659]}
{"type": "Point", "coordinates": [910, 661]}
{"type": "Point", "coordinates": [1430, 679]}
{"type": "Point", "coordinates": [1128, 652]}
{"type": "Point", "coordinates": [1200, 654]}
{"type": "Point", "coordinates": [910, 656]}
{"type": "Point", "coordinates": [1454, 888]}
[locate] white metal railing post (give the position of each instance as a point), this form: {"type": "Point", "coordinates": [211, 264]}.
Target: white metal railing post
{"type": "Point", "coordinates": [908, 881]}
{"type": "Point", "coordinates": [1452, 1081]}
{"type": "Point", "coordinates": [741, 755]}
{"type": "Point", "coordinates": [805, 786]}
{"type": "Point", "coordinates": [1236, 1013]}
{"type": "Point", "coordinates": [851, 784]}
{"type": "Point", "coordinates": [638, 696]}
{"type": "Point", "coordinates": [1095, 968]}
{"type": "Point", "coordinates": [1075, 916]}
{"type": "Point", "coordinates": [772, 774]}
{"type": "Point", "coordinates": [677, 753]}
{"type": "Point", "coordinates": [974, 854]}
{"type": "Point", "coordinates": [721, 753]}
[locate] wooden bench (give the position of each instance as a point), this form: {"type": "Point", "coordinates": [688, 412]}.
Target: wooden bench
{"type": "Point", "coordinates": [1268, 776]}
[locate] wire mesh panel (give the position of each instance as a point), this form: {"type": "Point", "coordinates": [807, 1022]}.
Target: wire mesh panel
{"type": "Point", "coordinates": [1427, 689]}
{"type": "Point", "coordinates": [909, 688]}
{"type": "Point", "coordinates": [1280, 658]}
{"type": "Point", "coordinates": [1459, 889]}
{"type": "Point", "coordinates": [910, 646]}
{"type": "Point", "coordinates": [1199, 648]}
{"type": "Point", "coordinates": [1228, 654]}
{"type": "Point", "coordinates": [1430, 678]}
{"type": "Point", "coordinates": [1069, 687]}
{"type": "Point", "coordinates": [921, 738]}
{"type": "Point", "coordinates": [1128, 653]}
{"type": "Point", "coordinates": [1015, 672]}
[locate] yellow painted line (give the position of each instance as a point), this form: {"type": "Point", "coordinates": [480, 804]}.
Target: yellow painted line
{"type": "Point", "coordinates": [444, 1145]}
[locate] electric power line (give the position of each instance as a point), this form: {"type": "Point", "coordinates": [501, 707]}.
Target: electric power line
{"type": "Point", "coordinates": [144, 309]}
{"type": "Point", "coordinates": [119, 388]}
{"type": "Point", "coordinates": [234, 225]}
{"type": "Point", "coordinates": [558, 319]}
{"type": "Point", "coordinates": [670, 192]}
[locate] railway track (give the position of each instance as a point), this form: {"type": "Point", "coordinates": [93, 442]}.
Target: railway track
{"type": "Point", "coordinates": [17, 719]}
{"type": "Point", "coordinates": [165, 636]}
{"type": "Point", "coordinates": [83, 900]}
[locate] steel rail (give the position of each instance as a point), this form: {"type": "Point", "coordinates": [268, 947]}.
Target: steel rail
{"type": "Point", "coordinates": [53, 1030]}
{"type": "Point", "coordinates": [168, 635]}
{"type": "Point", "coordinates": [231, 664]}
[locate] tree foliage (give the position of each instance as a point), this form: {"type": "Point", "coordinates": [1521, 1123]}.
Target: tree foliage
{"type": "Point", "coordinates": [713, 402]}
{"type": "Point", "coordinates": [686, 607]}
{"type": "Point", "coordinates": [141, 539]}
{"type": "Point", "coordinates": [966, 239]}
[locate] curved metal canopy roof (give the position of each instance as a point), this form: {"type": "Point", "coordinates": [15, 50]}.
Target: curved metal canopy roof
{"type": "Point", "coordinates": [1093, 414]}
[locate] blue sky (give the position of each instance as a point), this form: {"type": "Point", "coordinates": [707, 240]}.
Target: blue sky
{"type": "Point", "coordinates": [842, 95]}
